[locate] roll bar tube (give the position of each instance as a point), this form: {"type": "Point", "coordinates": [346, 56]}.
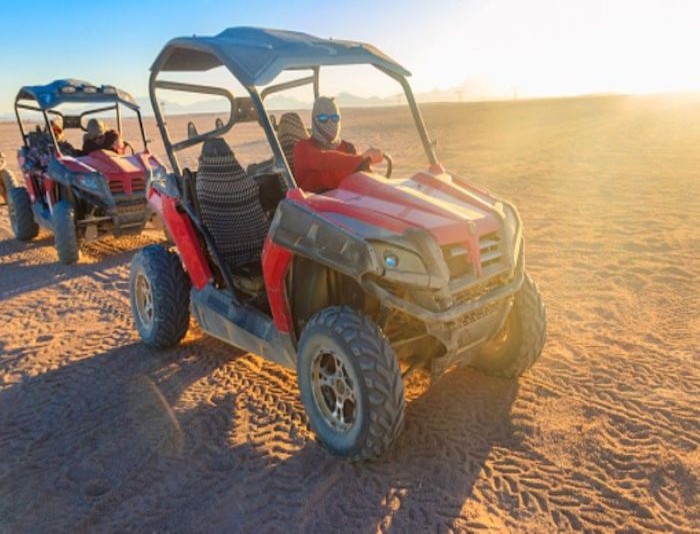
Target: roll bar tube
{"type": "Point", "coordinates": [170, 147]}
{"type": "Point", "coordinates": [115, 107]}
{"type": "Point", "coordinates": [277, 152]}
{"type": "Point", "coordinates": [417, 117]}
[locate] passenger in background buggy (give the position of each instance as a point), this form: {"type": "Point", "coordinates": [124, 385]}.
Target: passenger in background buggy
{"type": "Point", "coordinates": [66, 147]}
{"type": "Point", "coordinates": [94, 137]}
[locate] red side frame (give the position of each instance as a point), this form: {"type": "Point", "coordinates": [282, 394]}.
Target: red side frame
{"type": "Point", "coordinates": [183, 234]}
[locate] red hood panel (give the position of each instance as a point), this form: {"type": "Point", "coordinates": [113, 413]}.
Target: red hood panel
{"type": "Point", "coordinates": [426, 201]}
{"type": "Point", "coordinates": [111, 165]}
{"type": "Point", "coordinates": [125, 174]}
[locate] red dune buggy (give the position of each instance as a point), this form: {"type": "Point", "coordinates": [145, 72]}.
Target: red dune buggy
{"type": "Point", "coordinates": [353, 287]}
{"type": "Point", "coordinates": [75, 195]}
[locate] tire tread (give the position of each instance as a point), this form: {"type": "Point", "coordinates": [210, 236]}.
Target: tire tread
{"type": "Point", "coordinates": [381, 374]}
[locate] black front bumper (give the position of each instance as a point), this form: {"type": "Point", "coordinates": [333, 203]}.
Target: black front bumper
{"type": "Point", "coordinates": [120, 214]}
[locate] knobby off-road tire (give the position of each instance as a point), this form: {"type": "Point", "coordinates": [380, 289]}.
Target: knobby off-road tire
{"type": "Point", "coordinates": [159, 291]}
{"type": "Point", "coordinates": [6, 183]}
{"type": "Point", "coordinates": [65, 235]}
{"type": "Point", "coordinates": [521, 340]}
{"type": "Point", "coordinates": [345, 360]}
{"type": "Point", "coordinates": [22, 220]}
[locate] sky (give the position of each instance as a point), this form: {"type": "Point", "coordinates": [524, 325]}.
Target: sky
{"type": "Point", "coordinates": [498, 47]}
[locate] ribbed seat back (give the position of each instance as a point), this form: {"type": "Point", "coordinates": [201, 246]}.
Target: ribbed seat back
{"type": "Point", "coordinates": [290, 131]}
{"type": "Point", "coordinates": [229, 205]}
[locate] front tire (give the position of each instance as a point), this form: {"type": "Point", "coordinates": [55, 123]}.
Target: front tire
{"type": "Point", "coordinates": [6, 183]}
{"type": "Point", "coordinates": [350, 384]}
{"type": "Point", "coordinates": [159, 290]}
{"type": "Point", "coordinates": [520, 342]}
{"type": "Point", "coordinates": [65, 235]}
{"type": "Point", "coordinates": [22, 220]}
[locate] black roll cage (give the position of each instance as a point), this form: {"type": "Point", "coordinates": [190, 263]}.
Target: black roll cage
{"type": "Point", "coordinates": [48, 111]}
{"type": "Point", "coordinates": [280, 163]}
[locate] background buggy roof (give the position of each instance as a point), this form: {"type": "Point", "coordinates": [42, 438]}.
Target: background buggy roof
{"type": "Point", "coordinates": [74, 91]}
{"type": "Point", "coordinates": [257, 55]}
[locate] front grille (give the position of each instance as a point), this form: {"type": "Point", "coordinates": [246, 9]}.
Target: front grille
{"type": "Point", "coordinates": [138, 185]}
{"type": "Point", "coordinates": [130, 209]}
{"type": "Point", "coordinates": [480, 313]}
{"type": "Point", "coordinates": [479, 290]}
{"type": "Point", "coordinates": [457, 259]}
{"type": "Point", "coordinates": [490, 250]}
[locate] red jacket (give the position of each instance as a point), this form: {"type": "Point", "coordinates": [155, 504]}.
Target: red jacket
{"type": "Point", "coordinates": [317, 170]}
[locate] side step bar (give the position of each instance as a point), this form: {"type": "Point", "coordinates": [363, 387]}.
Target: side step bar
{"type": "Point", "coordinates": [241, 325]}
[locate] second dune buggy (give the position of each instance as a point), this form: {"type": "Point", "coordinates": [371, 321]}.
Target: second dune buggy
{"type": "Point", "coordinates": [77, 196]}
{"type": "Point", "coordinates": [352, 287]}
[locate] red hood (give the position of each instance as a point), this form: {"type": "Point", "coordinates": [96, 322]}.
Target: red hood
{"type": "Point", "coordinates": [436, 203]}
{"type": "Point", "coordinates": [125, 174]}
{"type": "Point", "coordinates": [112, 165]}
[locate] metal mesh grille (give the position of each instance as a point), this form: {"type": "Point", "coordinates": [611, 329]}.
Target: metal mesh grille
{"type": "Point", "coordinates": [138, 185]}
{"type": "Point", "coordinates": [490, 250]}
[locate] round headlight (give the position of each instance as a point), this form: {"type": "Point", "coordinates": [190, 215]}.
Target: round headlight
{"type": "Point", "coordinates": [391, 260]}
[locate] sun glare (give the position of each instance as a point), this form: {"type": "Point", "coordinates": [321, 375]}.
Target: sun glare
{"type": "Point", "coordinates": [552, 48]}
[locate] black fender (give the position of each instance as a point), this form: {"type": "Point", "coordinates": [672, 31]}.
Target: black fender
{"type": "Point", "coordinates": [306, 233]}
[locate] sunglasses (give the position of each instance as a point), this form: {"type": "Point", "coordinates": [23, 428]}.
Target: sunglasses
{"type": "Point", "coordinates": [323, 118]}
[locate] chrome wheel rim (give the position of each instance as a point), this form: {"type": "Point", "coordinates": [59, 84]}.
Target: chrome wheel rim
{"type": "Point", "coordinates": [335, 392]}
{"type": "Point", "coordinates": [144, 300]}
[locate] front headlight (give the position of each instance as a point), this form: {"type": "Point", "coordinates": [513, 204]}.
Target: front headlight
{"type": "Point", "coordinates": [397, 259]}
{"type": "Point", "coordinates": [93, 182]}
{"type": "Point", "coordinates": [158, 174]}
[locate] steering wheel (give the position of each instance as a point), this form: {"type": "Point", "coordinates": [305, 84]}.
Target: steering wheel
{"type": "Point", "coordinates": [389, 164]}
{"type": "Point", "coordinates": [128, 145]}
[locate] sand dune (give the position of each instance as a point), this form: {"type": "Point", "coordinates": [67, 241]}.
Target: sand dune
{"type": "Point", "coordinates": [99, 433]}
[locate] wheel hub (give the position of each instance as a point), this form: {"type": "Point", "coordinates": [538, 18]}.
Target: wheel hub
{"type": "Point", "coordinates": [334, 392]}
{"type": "Point", "coordinates": [144, 300]}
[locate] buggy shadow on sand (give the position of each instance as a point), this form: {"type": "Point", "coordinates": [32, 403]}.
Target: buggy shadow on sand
{"type": "Point", "coordinates": [347, 287]}
{"type": "Point", "coordinates": [77, 196]}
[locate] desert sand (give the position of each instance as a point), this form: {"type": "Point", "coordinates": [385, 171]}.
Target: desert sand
{"type": "Point", "coordinates": [99, 433]}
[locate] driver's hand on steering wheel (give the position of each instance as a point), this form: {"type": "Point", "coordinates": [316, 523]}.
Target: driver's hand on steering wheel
{"type": "Point", "coordinates": [374, 155]}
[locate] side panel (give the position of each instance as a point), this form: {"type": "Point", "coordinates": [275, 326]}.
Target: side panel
{"type": "Point", "coordinates": [298, 229]}
{"type": "Point", "coordinates": [29, 184]}
{"type": "Point", "coordinates": [49, 192]}
{"type": "Point", "coordinates": [184, 236]}
{"type": "Point", "coordinates": [276, 260]}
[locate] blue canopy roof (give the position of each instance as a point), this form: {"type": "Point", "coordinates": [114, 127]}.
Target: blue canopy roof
{"type": "Point", "coordinates": [257, 55]}
{"type": "Point", "coordinates": [74, 91]}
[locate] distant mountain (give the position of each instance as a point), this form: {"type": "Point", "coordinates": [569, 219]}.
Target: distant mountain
{"type": "Point", "coordinates": [469, 91]}
{"type": "Point", "coordinates": [175, 108]}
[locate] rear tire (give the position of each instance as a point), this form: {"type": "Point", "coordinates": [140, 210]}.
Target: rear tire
{"type": "Point", "coordinates": [350, 384]}
{"type": "Point", "coordinates": [520, 342]}
{"type": "Point", "coordinates": [65, 235]}
{"type": "Point", "coordinates": [24, 226]}
{"type": "Point", "coordinates": [159, 291]}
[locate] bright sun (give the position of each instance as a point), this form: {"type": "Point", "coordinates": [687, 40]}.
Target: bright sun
{"type": "Point", "coordinates": [554, 47]}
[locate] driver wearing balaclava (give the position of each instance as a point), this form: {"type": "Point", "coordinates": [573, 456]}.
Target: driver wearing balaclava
{"type": "Point", "coordinates": [324, 159]}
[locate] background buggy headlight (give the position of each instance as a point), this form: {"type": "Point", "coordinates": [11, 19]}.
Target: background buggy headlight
{"type": "Point", "coordinates": [158, 174]}
{"type": "Point", "coordinates": [90, 181]}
